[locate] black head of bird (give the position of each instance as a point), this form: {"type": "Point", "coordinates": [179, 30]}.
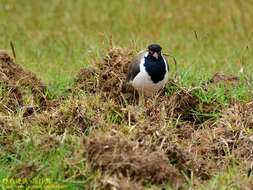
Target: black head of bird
{"type": "Point", "coordinates": [154, 51]}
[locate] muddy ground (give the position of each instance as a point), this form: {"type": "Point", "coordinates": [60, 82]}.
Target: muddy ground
{"type": "Point", "coordinates": [137, 145]}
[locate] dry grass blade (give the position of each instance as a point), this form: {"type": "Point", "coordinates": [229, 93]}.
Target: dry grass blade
{"type": "Point", "coordinates": [196, 35]}
{"type": "Point", "coordinates": [13, 49]}
{"type": "Point", "coordinates": [175, 63]}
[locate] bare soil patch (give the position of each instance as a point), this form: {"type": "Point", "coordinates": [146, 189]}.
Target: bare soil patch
{"type": "Point", "coordinates": [116, 156]}
{"type": "Point", "coordinates": [224, 77]}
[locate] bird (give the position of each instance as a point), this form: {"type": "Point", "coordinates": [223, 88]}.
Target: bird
{"type": "Point", "coordinates": [148, 71]}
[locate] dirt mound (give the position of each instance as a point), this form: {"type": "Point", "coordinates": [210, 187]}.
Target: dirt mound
{"type": "Point", "coordinates": [113, 76]}
{"type": "Point", "coordinates": [222, 144]}
{"type": "Point", "coordinates": [201, 152]}
{"type": "Point", "coordinates": [187, 161]}
{"type": "Point", "coordinates": [239, 115]}
{"type": "Point", "coordinates": [175, 146]}
{"type": "Point", "coordinates": [237, 121]}
{"type": "Point", "coordinates": [19, 89]}
{"type": "Point", "coordinates": [117, 157]}
{"type": "Point", "coordinates": [201, 149]}
{"type": "Point", "coordinates": [211, 149]}
{"type": "Point", "coordinates": [109, 77]}
{"type": "Point", "coordinates": [185, 105]}
{"type": "Point", "coordinates": [223, 77]}
{"type": "Point", "coordinates": [68, 116]}
{"type": "Point", "coordinates": [114, 69]}
{"type": "Point", "coordinates": [87, 79]}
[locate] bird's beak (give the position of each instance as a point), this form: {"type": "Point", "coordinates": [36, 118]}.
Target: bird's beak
{"type": "Point", "coordinates": [155, 55]}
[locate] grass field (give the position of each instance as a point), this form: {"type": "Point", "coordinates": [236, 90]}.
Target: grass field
{"type": "Point", "coordinates": [203, 128]}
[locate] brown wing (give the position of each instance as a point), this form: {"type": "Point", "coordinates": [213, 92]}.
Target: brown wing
{"type": "Point", "coordinates": [134, 67]}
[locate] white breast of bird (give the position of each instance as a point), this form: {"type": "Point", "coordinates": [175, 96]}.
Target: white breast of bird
{"type": "Point", "coordinates": [143, 82]}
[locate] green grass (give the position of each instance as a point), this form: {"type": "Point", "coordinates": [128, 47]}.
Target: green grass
{"type": "Point", "coordinates": [55, 39]}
